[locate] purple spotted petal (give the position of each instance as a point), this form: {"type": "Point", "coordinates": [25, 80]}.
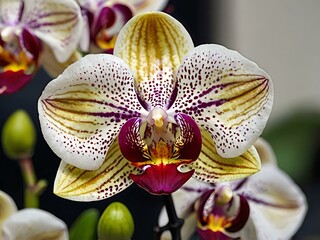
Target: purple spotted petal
{"type": "Point", "coordinates": [81, 112]}
{"type": "Point", "coordinates": [112, 177]}
{"type": "Point", "coordinates": [228, 95]}
{"type": "Point", "coordinates": [57, 23]}
{"type": "Point", "coordinates": [154, 44]}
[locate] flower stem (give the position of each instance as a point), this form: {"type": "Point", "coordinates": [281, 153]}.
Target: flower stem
{"type": "Point", "coordinates": [174, 225]}
{"type": "Point", "coordinates": [33, 188]}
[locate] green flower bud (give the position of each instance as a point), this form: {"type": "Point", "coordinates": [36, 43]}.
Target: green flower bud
{"type": "Point", "coordinates": [18, 135]}
{"type": "Point", "coordinates": [116, 223]}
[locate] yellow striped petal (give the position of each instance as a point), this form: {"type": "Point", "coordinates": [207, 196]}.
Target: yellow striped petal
{"type": "Point", "coordinates": [211, 167]}
{"type": "Point", "coordinates": [83, 185]}
{"type": "Point", "coordinates": [153, 44]}
{"type": "Point", "coordinates": [7, 207]}
{"type": "Point", "coordinates": [225, 93]}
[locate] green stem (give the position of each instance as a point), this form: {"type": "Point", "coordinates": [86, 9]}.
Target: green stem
{"type": "Point", "coordinates": [33, 188]}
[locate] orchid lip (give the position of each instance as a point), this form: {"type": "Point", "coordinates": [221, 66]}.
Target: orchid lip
{"type": "Point", "coordinates": [161, 179]}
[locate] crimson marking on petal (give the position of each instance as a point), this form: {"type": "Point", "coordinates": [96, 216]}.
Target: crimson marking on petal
{"type": "Point", "coordinates": [241, 219]}
{"type": "Point", "coordinates": [191, 139]}
{"type": "Point", "coordinates": [290, 205]}
{"type": "Point", "coordinates": [57, 119]}
{"type": "Point", "coordinates": [56, 116]}
{"type": "Point", "coordinates": [207, 234]}
{"type": "Point", "coordinates": [235, 84]}
{"type": "Point", "coordinates": [240, 184]}
{"type": "Point", "coordinates": [100, 114]}
{"type": "Point", "coordinates": [35, 24]}
{"type": "Point", "coordinates": [255, 99]}
{"type": "Point", "coordinates": [162, 178]}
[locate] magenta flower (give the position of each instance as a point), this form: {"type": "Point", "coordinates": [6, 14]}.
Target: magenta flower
{"type": "Point", "coordinates": [30, 28]}
{"type": "Point", "coordinates": [157, 112]}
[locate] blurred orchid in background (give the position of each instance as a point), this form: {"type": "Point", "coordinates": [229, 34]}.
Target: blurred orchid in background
{"type": "Point", "coordinates": [266, 205]}
{"type": "Point", "coordinates": [29, 223]}
{"type": "Point", "coordinates": [28, 30]}
{"type": "Point", "coordinates": [157, 113]}
{"type": "Point", "coordinates": [105, 18]}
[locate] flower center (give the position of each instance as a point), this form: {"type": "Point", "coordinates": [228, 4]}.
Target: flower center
{"type": "Point", "coordinates": [159, 116]}
{"type": "Point", "coordinates": [224, 195]}
{"type": "Point", "coordinates": [217, 223]}
{"type": "Point", "coordinates": [15, 57]}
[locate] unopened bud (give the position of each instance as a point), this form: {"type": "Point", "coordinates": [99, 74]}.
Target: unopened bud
{"type": "Point", "coordinates": [18, 135]}
{"type": "Point", "coordinates": [116, 223]}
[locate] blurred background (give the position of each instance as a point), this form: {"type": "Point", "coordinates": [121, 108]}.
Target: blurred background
{"type": "Point", "coordinates": [282, 37]}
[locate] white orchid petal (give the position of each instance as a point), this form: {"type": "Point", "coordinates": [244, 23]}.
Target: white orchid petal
{"type": "Point", "coordinates": [10, 11]}
{"type": "Point", "coordinates": [277, 205]}
{"type": "Point", "coordinates": [225, 93]}
{"type": "Point", "coordinates": [7, 207]}
{"type": "Point", "coordinates": [249, 231]}
{"type": "Point", "coordinates": [34, 224]}
{"type": "Point", "coordinates": [265, 152]}
{"type": "Point", "coordinates": [148, 5]}
{"type": "Point", "coordinates": [82, 111]}
{"type": "Point", "coordinates": [57, 23]}
{"type": "Point", "coordinates": [52, 66]}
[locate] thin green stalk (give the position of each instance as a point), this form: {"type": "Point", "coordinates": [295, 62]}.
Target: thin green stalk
{"type": "Point", "coordinates": [32, 187]}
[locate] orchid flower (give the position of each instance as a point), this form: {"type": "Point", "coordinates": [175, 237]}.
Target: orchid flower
{"type": "Point", "coordinates": [266, 205]}
{"type": "Point", "coordinates": [157, 112]}
{"type": "Point", "coordinates": [26, 28]}
{"type": "Point", "coordinates": [105, 18]}
{"type": "Point", "coordinates": [29, 223]}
